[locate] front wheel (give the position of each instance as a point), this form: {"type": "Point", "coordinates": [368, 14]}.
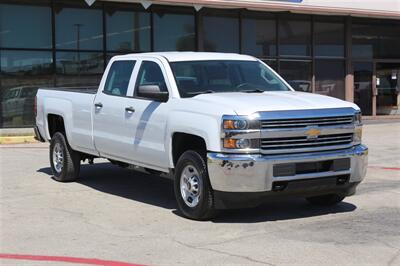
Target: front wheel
{"type": "Point", "coordinates": [64, 161]}
{"type": "Point", "coordinates": [325, 200]}
{"type": "Point", "coordinates": [192, 187]}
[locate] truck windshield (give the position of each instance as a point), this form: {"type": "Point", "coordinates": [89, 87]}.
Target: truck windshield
{"type": "Point", "coordinates": [216, 76]}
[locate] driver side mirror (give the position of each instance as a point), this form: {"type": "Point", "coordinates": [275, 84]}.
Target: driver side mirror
{"type": "Point", "coordinates": [152, 92]}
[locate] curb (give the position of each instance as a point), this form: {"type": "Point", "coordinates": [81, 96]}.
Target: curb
{"type": "Point", "coordinates": [17, 139]}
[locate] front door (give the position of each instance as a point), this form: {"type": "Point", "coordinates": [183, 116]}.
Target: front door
{"type": "Point", "coordinates": [387, 88]}
{"type": "Point", "coordinates": [149, 122]}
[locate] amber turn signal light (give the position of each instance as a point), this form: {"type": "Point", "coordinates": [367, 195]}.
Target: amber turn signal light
{"type": "Point", "coordinates": [230, 143]}
{"type": "Point", "coordinates": [229, 124]}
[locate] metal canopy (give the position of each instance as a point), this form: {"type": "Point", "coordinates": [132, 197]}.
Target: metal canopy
{"type": "Point", "coordinates": [359, 8]}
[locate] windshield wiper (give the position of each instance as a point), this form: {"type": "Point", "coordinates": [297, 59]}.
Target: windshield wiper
{"type": "Point", "coordinates": [201, 92]}
{"type": "Point", "coordinates": [253, 91]}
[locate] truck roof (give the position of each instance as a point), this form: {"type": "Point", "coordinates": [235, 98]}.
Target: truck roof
{"type": "Point", "coordinates": [191, 56]}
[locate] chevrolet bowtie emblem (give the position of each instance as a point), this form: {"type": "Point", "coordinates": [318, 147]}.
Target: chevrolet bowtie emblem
{"type": "Point", "coordinates": [313, 133]}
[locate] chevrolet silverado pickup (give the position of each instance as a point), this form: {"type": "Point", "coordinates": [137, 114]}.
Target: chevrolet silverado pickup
{"type": "Point", "coordinates": [225, 127]}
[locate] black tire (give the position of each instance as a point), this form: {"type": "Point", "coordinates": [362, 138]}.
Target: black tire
{"type": "Point", "coordinates": [325, 200]}
{"type": "Point", "coordinates": [204, 210]}
{"type": "Point", "coordinates": [71, 160]}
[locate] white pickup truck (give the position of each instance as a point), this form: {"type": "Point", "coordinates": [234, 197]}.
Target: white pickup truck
{"type": "Point", "coordinates": [226, 128]}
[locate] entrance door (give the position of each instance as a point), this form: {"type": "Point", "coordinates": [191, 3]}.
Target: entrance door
{"type": "Point", "coordinates": [387, 88]}
{"type": "Point", "coordinates": [363, 97]}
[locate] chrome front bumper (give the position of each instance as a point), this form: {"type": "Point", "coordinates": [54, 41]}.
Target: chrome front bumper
{"type": "Point", "coordinates": [254, 172]}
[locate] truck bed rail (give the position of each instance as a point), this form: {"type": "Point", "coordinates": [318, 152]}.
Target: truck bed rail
{"type": "Point", "coordinates": [89, 89]}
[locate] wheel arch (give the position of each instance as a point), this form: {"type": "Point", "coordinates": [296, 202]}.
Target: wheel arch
{"type": "Point", "coordinates": [182, 141]}
{"type": "Point", "coordinates": [55, 123]}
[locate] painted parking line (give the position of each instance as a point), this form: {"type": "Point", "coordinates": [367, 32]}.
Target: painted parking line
{"type": "Point", "coordinates": [384, 168]}
{"type": "Point", "coordinates": [89, 261]}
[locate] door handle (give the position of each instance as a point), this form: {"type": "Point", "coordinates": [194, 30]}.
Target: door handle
{"type": "Point", "coordinates": [130, 109]}
{"type": "Point", "coordinates": [98, 105]}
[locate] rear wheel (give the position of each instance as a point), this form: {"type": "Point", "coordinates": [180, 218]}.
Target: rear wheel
{"type": "Point", "coordinates": [64, 161]}
{"type": "Point", "coordinates": [325, 200]}
{"type": "Point", "coordinates": [192, 187]}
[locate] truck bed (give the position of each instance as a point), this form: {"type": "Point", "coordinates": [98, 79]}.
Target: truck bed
{"type": "Point", "coordinates": [75, 105]}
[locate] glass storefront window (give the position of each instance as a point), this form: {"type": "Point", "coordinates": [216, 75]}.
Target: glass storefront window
{"type": "Point", "coordinates": [329, 78]}
{"type": "Point", "coordinates": [25, 62]}
{"type": "Point", "coordinates": [174, 32]}
{"type": "Point", "coordinates": [364, 41]}
{"type": "Point", "coordinates": [128, 31]}
{"type": "Point", "coordinates": [25, 26]}
{"type": "Point", "coordinates": [363, 86]}
{"type": "Point", "coordinates": [375, 40]}
{"type": "Point", "coordinates": [220, 33]}
{"type": "Point", "coordinates": [389, 42]}
{"type": "Point", "coordinates": [258, 36]}
{"type": "Point", "coordinates": [271, 63]}
{"type": "Point", "coordinates": [109, 56]}
{"type": "Point", "coordinates": [22, 73]}
{"type": "Point", "coordinates": [297, 74]}
{"type": "Point", "coordinates": [78, 28]}
{"type": "Point", "coordinates": [294, 37]}
{"type": "Point", "coordinates": [329, 39]}
{"type": "Point", "coordinates": [79, 68]}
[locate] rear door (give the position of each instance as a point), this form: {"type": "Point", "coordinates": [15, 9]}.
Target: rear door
{"type": "Point", "coordinates": [111, 117]}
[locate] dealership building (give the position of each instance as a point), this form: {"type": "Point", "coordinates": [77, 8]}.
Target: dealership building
{"type": "Point", "coordinates": [345, 49]}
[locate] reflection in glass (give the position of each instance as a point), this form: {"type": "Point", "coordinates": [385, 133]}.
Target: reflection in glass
{"type": "Point", "coordinates": [329, 78]}
{"type": "Point", "coordinates": [221, 34]}
{"type": "Point", "coordinates": [329, 39]}
{"type": "Point", "coordinates": [79, 68]}
{"type": "Point", "coordinates": [259, 37]}
{"type": "Point", "coordinates": [364, 41]}
{"type": "Point", "coordinates": [22, 73]}
{"type": "Point", "coordinates": [128, 31]}
{"type": "Point", "coordinates": [295, 38]}
{"type": "Point", "coordinates": [297, 74]}
{"type": "Point", "coordinates": [363, 86]}
{"type": "Point", "coordinates": [79, 29]}
{"type": "Point", "coordinates": [25, 26]}
{"type": "Point", "coordinates": [174, 32]}
{"type": "Point", "coordinates": [376, 40]}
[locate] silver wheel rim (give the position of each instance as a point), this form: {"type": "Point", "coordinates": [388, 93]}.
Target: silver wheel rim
{"type": "Point", "coordinates": [58, 157]}
{"type": "Point", "coordinates": [191, 185]}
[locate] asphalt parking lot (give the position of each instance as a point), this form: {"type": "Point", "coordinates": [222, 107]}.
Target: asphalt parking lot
{"type": "Point", "coordinates": [122, 215]}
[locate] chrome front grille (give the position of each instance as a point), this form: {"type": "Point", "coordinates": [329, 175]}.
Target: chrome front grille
{"type": "Point", "coordinates": [306, 131]}
{"type": "Point", "coordinates": [306, 122]}
{"type": "Point", "coordinates": [302, 143]}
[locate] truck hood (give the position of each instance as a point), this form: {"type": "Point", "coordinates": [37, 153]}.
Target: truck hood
{"type": "Point", "coordinates": [248, 103]}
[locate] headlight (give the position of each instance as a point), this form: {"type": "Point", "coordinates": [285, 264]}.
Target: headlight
{"type": "Point", "coordinates": [240, 133]}
{"type": "Point", "coordinates": [357, 118]}
{"type": "Point", "coordinates": [236, 124]}
{"type": "Point", "coordinates": [237, 143]}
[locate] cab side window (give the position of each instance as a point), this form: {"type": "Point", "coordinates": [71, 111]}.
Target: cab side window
{"type": "Point", "coordinates": [150, 74]}
{"type": "Point", "coordinates": [118, 77]}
